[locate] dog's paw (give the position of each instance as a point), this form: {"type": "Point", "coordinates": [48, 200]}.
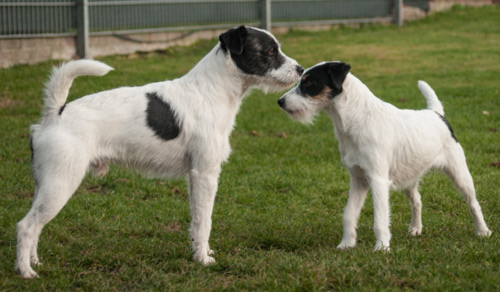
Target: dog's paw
{"type": "Point", "coordinates": [381, 246]}
{"type": "Point", "coordinates": [26, 273]}
{"type": "Point", "coordinates": [35, 261]}
{"type": "Point", "coordinates": [346, 245]}
{"type": "Point", "coordinates": [484, 233]}
{"type": "Point", "coordinates": [415, 231]}
{"type": "Point", "coordinates": [205, 260]}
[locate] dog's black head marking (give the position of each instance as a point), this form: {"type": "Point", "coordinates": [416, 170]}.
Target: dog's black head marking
{"type": "Point", "coordinates": [313, 84]}
{"type": "Point", "coordinates": [255, 52]}
{"type": "Point", "coordinates": [327, 77]}
{"type": "Point", "coordinates": [234, 39]}
{"type": "Point", "coordinates": [338, 72]}
{"type": "Point", "coordinates": [161, 118]}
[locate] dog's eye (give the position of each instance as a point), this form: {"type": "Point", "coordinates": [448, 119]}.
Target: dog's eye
{"type": "Point", "coordinates": [271, 52]}
{"type": "Point", "coordinates": [307, 82]}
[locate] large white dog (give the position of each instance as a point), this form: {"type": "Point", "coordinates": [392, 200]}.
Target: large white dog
{"type": "Point", "coordinates": [382, 146]}
{"type": "Point", "coordinates": [163, 129]}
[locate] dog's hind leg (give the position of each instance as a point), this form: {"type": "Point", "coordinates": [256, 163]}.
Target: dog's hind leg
{"type": "Point", "coordinates": [34, 260]}
{"type": "Point", "coordinates": [456, 169]}
{"type": "Point", "coordinates": [357, 195]}
{"type": "Point", "coordinates": [380, 192]}
{"type": "Point", "coordinates": [416, 209]}
{"type": "Point", "coordinates": [52, 193]}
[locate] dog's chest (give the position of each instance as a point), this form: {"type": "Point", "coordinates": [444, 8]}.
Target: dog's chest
{"type": "Point", "coordinates": [350, 152]}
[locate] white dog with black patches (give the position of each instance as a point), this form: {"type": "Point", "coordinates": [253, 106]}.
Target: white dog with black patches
{"type": "Point", "coordinates": [163, 129]}
{"type": "Point", "coordinates": [382, 146]}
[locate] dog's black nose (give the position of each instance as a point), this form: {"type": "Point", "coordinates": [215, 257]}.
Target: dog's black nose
{"type": "Point", "coordinates": [299, 69]}
{"type": "Point", "coordinates": [281, 102]}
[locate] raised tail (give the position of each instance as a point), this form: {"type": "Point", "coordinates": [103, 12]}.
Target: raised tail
{"type": "Point", "coordinates": [57, 89]}
{"type": "Point", "coordinates": [433, 102]}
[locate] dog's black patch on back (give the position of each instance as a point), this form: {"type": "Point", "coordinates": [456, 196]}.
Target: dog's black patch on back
{"type": "Point", "coordinates": [448, 125]}
{"type": "Point", "coordinates": [32, 150]}
{"type": "Point", "coordinates": [331, 75]}
{"type": "Point", "coordinates": [161, 118]}
{"type": "Point", "coordinates": [62, 109]}
{"type": "Point", "coordinates": [254, 52]}
{"type": "Point", "coordinates": [33, 160]}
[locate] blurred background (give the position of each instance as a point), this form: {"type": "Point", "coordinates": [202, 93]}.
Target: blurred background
{"type": "Point", "coordinates": [35, 31]}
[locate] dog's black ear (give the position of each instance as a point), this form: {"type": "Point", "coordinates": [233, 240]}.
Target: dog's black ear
{"type": "Point", "coordinates": [234, 39]}
{"type": "Point", "coordinates": [338, 72]}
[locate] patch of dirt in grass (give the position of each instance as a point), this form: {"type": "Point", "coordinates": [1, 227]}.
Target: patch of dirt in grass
{"type": "Point", "coordinates": [6, 102]}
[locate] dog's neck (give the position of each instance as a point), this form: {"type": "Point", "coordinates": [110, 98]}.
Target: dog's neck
{"type": "Point", "coordinates": [216, 82]}
{"type": "Point", "coordinates": [351, 107]}
{"type": "Point", "coordinates": [223, 80]}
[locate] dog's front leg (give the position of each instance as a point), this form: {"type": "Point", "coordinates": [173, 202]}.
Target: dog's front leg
{"type": "Point", "coordinates": [380, 192]}
{"type": "Point", "coordinates": [357, 195]}
{"type": "Point", "coordinates": [203, 188]}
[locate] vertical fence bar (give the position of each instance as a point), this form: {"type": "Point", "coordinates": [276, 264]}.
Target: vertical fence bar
{"type": "Point", "coordinates": [398, 12]}
{"type": "Point", "coordinates": [266, 15]}
{"type": "Point", "coordinates": [82, 26]}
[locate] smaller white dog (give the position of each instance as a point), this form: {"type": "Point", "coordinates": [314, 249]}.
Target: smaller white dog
{"type": "Point", "coordinates": [382, 146]}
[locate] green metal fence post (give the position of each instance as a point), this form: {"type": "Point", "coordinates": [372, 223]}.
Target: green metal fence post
{"type": "Point", "coordinates": [266, 15]}
{"type": "Point", "coordinates": [82, 26]}
{"type": "Point", "coordinates": [398, 12]}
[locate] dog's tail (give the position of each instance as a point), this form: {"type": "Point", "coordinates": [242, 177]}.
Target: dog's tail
{"type": "Point", "coordinates": [433, 102]}
{"type": "Point", "coordinates": [57, 88]}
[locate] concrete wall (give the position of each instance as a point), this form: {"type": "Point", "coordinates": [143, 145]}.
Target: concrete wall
{"type": "Point", "coordinates": [36, 50]}
{"type": "Point", "coordinates": [32, 51]}
{"type": "Point", "coordinates": [127, 44]}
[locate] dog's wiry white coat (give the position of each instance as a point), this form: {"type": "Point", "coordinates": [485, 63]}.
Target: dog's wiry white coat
{"type": "Point", "coordinates": [110, 126]}
{"type": "Point", "coordinates": [388, 148]}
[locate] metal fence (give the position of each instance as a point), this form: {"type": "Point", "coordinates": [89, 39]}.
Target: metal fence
{"type": "Point", "coordinates": [46, 18]}
{"type": "Point", "coordinates": [81, 18]}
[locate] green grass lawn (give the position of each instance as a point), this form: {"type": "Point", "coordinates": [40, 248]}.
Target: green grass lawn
{"type": "Point", "coordinates": [277, 217]}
